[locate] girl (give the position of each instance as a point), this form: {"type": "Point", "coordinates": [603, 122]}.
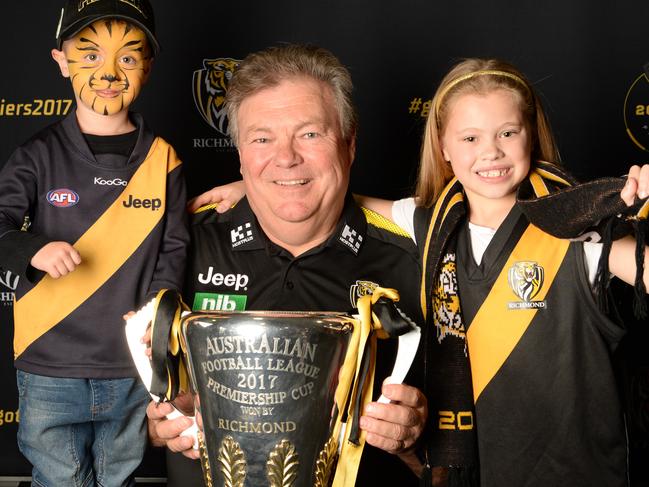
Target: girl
{"type": "Point", "coordinates": [520, 352]}
{"type": "Point", "coordinates": [514, 300]}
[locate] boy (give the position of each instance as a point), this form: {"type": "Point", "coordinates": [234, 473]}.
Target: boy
{"type": "Point", "coordinates": [104, 200]}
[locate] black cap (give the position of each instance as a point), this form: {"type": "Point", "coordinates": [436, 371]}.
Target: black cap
{"type": "Point", "coordinates": [76, 15]}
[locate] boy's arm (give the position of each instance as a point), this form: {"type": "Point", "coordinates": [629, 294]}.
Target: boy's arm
{"type": "Point", "coordinates": [170, 265]}
{"type": "Point", "coordinates": [18, 193]}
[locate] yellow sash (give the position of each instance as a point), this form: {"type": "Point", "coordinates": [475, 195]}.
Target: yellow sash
{"type": "Point", "coordinates": [104, 248]}
{"type": "Point", "coordinates": [496, 330]}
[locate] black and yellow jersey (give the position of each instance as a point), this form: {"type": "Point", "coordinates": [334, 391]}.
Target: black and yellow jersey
{"type": "Point", "coordinates": [126, 220]}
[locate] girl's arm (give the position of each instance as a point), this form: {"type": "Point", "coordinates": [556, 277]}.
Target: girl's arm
{"type": "Point", "coordinates": [382, 207]}
{"type": "Point", "coordinates": [621, 261]}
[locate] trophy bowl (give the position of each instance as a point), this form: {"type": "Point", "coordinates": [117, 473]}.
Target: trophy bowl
{"type": "Point", "coordinates": [270, 388]}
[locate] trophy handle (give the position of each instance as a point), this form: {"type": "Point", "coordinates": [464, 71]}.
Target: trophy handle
{"type": "Point", "coordinates": [135, 329]}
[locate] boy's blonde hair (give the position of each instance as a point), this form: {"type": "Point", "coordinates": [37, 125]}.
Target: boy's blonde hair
{"type": "Point", "coordinates": [477, 76]}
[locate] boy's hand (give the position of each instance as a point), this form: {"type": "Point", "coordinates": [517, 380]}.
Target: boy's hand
{"type": "Point", "coordinates": [57, 259]}
{"type": "Point", "coordinates": [226, 196]}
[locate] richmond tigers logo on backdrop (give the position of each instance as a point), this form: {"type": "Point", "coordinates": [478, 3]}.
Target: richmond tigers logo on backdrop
{"type": "Point", "coordinates": [210, 87]}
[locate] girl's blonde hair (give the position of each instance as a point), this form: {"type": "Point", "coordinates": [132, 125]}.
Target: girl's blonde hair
{"type": "Point", "coordinates": [477, 76]}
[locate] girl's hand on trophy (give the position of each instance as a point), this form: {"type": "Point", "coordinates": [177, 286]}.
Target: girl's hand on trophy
{"type": "Point", "coordinates": [395, 427]}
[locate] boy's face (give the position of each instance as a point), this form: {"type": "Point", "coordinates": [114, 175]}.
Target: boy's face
{"type": "Point", "coordinates": [108, 62]}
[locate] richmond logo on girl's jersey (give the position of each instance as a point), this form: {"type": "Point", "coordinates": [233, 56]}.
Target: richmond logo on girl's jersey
{"type": "Point", "coordinates": [62, 198]}
{"type": "Point", "coordinates": [526, 280]}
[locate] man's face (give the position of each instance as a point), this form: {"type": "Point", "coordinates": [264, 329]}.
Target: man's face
{"type": "Point", "coordinates": [108, 62]}
{"type": "Point", "coordinates": [294, 160]}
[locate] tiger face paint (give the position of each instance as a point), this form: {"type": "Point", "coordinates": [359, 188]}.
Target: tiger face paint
{"type": "Point", "coordinates": [108, 62]}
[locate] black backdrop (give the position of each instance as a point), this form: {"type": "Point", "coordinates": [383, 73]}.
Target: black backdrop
{"type": "Point", "coordinates": [587, 59]}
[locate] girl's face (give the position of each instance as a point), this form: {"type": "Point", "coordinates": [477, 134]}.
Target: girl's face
{"type": "Point", "coordinates": [488, 146]}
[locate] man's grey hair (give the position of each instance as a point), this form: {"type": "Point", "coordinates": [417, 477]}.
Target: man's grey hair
{"type": "Point", "coordinates": [272, 66]}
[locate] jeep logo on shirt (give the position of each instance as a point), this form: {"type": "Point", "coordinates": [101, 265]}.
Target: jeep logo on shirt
{"type": "Point", "coordinates": [154, 204]}
{"type": "Point", "coordinates": [238, 281]}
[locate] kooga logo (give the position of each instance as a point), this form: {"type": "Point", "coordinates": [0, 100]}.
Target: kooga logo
{"type": "Point", "coordinates": [109, 182]}
{"type": "Point", "coordinates": [154, 204]}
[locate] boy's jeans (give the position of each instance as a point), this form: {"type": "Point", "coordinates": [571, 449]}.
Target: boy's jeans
{"type": "Point", "coordinates": [81, 432]}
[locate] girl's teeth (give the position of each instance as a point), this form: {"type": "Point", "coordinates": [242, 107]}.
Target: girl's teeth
{"type": "Point", "coordinates": [493, 173]}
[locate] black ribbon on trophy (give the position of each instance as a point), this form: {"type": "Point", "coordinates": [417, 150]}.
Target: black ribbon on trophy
{"type": "Point", "coordinates": [280, 394]}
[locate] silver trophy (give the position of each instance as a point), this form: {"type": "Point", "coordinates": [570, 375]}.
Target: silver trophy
{"type": "Point", "coordinates": [279, 394]}
{"type": "Point", "coordinates": [267, 384]}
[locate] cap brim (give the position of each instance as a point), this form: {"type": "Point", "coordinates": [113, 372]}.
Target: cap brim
{"type": "Point", "coordinates": [77, 27]}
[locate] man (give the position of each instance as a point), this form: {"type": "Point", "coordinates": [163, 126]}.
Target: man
{"type": "Point", "coordinates": [298, 241]}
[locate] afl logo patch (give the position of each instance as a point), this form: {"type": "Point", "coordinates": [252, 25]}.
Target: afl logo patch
{"type": "Point", "coordinates": [62, 198]}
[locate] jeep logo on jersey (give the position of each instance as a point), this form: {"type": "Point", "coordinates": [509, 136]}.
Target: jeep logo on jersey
{"type": "Point", "coordinates": [238, 281]}
{"type": "Point", "coordinates": [153, 204]}
{"type": "Point", "coordinates": [219, 302]}
{"type": "Point", "coordinates": [62, 198]}
{"type": "Point", "coordinates": [109, 182]}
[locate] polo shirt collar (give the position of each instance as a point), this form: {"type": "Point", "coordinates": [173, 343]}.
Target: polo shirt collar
{"type": "Point", "coordinates": [349, 234]}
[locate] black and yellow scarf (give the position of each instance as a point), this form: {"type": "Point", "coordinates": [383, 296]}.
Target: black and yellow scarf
{"type": "Point", "coordinates": [552, 201]}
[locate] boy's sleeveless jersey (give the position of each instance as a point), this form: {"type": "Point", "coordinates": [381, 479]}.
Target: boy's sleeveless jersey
{"type": "Point", "coordinates": [66, 190]}
{"type": "Point", "coordinates": [550, 416]}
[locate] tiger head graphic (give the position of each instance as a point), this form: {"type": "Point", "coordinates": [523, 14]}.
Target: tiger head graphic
{"type": "Point", "coordinates": [360, 289]}
{"type": "Point", "coordinates": [210, 87]}
{"type": "Point", "coordinates": [526, 279]}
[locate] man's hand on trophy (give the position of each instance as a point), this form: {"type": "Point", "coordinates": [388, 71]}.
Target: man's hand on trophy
{"type": "Point", "coordinates": [395, 427]}
{"type": "Point", "coordinates": [167, 432]}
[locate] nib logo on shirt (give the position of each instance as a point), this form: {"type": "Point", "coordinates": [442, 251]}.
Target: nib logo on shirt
{"type": "Point", "coordinates": [219, 302]}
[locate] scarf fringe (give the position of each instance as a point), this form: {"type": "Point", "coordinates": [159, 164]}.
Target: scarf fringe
{"type": "Point", "coordinates": [602, 280]}
{"type": "Point", "coordinates": [640, 291]}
